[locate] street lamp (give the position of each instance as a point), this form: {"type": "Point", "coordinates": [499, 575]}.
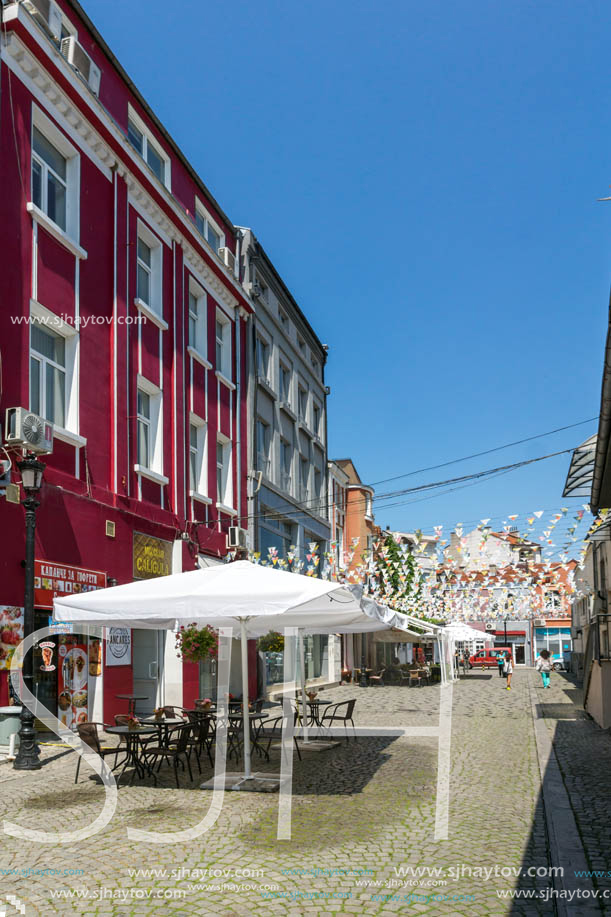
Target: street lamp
{"type": "Point", "coordinates": [363, 681]}
{"type": "Point", "coordinates": [31, 477]}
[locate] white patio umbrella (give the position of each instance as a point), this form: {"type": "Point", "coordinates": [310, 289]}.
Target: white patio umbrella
{"type": "Point", "coordinates": [252, 598]}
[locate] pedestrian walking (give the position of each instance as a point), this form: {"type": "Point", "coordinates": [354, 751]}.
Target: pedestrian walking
{"type": "Point", "coordinates": [508, 669]}
{"type": "Point", "coordinates": [500, 658]}
{"type": "Point", "coordinates": [544, 665]}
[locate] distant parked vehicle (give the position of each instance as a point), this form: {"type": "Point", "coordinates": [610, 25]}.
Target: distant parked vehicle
{"type": "Point", "coordinates": [488, 658]}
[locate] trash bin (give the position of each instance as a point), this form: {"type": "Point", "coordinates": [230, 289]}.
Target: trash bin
{"type": "Point", "coordinates": [9, 726]}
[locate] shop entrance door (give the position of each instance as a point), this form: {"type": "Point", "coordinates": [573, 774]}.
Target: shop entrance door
{"type": "Point", "coordinates": [147, 649]}
{"type": "Point", "coordinates": [519, 654]}
{"type": "Point", "coordinates": [207, 679]}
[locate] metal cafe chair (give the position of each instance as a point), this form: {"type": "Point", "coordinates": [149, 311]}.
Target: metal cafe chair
{"type": "Point", "coordinates": [176, 753]}
{"type": "Point", "coordinates": [340, 713]}
{"type": "Point", "coordinates": [201, 738]}
{"type": "Point", "coordinates": [88, 733]}
{"type": "Point", "coordinates": [272, 731]}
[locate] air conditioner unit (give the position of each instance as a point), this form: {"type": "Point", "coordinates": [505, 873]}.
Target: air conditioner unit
{"type": "Point", "coordinates": [490, 626]}
{"type": "Point", "coordinates": [29, 430]}
{"type": "Point", "coordinates": [540, 622]}
{"type": "Point", "coordinates": [76, 55]}
{"type": "Point", "coordinates": [47, 14]}
{"type": "Point", "coordinates": [228, 258]}
{"type": "Point", "coordinates": [236, 537]}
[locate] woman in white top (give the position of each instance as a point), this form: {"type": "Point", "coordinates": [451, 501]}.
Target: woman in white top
{"type": "Point", "coordinates": [508, 669]}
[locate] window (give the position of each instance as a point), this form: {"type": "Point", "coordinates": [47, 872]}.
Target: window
{"type": "Point", "coordinates": [197, 319]}
{"type": "Point", "coordinates": [285, 384]}
{"type": "Point", "coordinates": [316, 418]}
{"type": "Point", "coordinates": [316, 367]}
{"type": "Point", "coordinates": [368, 505]}
{"type": "Point", "coordinates": [49, 179]}
{"type": "Point", "coordinates": [197, 458]}
{"type": "Point", "coordinates": [144, 429]}
{"type": "Point", "coordinates": [301, 344]}
{"type": "Point", "coordinates": [224, 493]}
{"type": "Point", "coordinates": [149, 445]}
{"type": "Point", "coordinates": [304, 467]}
{"type": "Point", "coordinates": [143, 143]}
{"type": "Point", "coordinates": [284, 320]}
{"type": "Point", "coordinates": [302, 396]}
{"type": "Point", "coordinates": [317, 489]}
{"type": "Point", "coordinates": [148, 274]}
{"type": "Point", "coordinates": [208, 228]}
{"type": "Point", "coordinates": [286, 456]}
{"type": "Point", "coordinates": [48, 375]}
{"type": "Point", "coordinates": [263, 359]}
{"type": "Point", "coordinates": [144, 272]}
{"type": "Point", "coordinates": [263, 440]}
{"type": "Point", "coordinates": [223, 345]}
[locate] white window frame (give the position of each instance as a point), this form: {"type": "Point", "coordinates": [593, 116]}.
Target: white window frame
{"type": "Point", "coordinates": [51, 322]}
{"type": "Point", "coordinates": [224, 499]}
{"type": "Point", "coordinates": [225, 342]}
{"type": "Point", "coordinates": [56, 138]}
{"type": "Point", "coordinates": [154, 470]}
{"type": "Point", "coordinates": [201, 331]}
{"type": "Point", "coordinates": [302, 389]}
{"type": "Point", "coordinates": [199, 488]}
{"type": "Point", "coordinates": [264, 454]}
{"type": "Point", "coordinates": [154, 308]}
{"type": "Point", "coordinates": [316, 426]}
{"type": "Point", "coordinates": [265, 374]}
{"type": "Point", "coordinates": [148, 138]}
{"type": "Point", "coordinates": [207, 221]}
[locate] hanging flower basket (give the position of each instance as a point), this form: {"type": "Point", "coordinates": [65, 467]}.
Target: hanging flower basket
{"type": "Point", "coordinates": [196, 644]}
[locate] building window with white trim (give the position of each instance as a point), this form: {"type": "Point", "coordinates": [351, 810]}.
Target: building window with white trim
{"type": "Point", "coordinates": [197, 458]}
{"type": "Point", "coordinates": [286, 459]}
{"type": "Point", "coordinates": [304, 471]}
{"type": "Point", "coordinates": [223, 345]}
{"type": "Point", "coordinates": [224, 490]}
{"type": "Point", "coordinates": [302, 403]}
{"type": "Point", "coordinates": [197, 319]}
{"type": "Point", "coordinates": [48, 375]}
{"type": "Point", "coordinates": [316, 418]}
{"type": "Point", "coordinates": [149, 443]}
{"type": "Point", "coordinates": [211, 232]}
{"type": "Point", "coordinates": [49, 179]}
{"type": "Point", "coordinates": [143, 143]}
{"type": "Point", "coordinates": [144, 429]}
{"type": "Point", "coordinates": [149, 266]}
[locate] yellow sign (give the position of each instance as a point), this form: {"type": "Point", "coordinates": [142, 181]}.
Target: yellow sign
{"type": "Point", "coordinates": [152, 556]}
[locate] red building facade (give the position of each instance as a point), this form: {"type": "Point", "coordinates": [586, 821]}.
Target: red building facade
{"type": "Point", "coordinates": [123, 322]}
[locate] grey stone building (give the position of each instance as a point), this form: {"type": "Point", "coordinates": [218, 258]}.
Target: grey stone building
{"type": "Point", "coordinates": [288, 413]}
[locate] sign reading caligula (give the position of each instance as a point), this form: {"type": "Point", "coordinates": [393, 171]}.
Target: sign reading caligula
{"type": "Point", "coordinates": [152, 556]}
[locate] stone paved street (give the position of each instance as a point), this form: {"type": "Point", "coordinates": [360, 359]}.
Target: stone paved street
{"type": "Point", "coordinates": [360, 813]}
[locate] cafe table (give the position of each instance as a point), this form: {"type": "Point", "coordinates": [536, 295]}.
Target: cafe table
{"type": "Point", "coordinates": [132, 749]}
{"type": "Point", "coordinates": [166, 724]}
{"type": "Point", "coordinates": [314, 705]}
{"type": "Point", "coordinates": [131, 699]}
{"type": "Point", "coordinates": [236, 727]}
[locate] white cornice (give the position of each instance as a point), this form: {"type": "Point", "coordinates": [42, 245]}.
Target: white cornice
{"type": "Point", "coordinates": [27, 67]}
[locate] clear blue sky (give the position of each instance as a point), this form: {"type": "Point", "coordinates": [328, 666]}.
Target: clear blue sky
{"type": "Point", "coordinates": [424, 176]}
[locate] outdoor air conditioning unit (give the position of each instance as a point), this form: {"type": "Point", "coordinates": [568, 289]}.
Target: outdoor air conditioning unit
{"type": "Point", "coordinates": [539, 622]}
{"type": "Point", "coordinates": [228, 258]}
{"type": "Point", "coordinates": [47, 14]}
{"type": "Point", "coordinates": [236, 537]}
{"type": "Point", "coordinates": [29, 430]}
{"type": "Point", "coordinates": [76, 55]}
{"type": "Point", "coordinates": [490, 626]}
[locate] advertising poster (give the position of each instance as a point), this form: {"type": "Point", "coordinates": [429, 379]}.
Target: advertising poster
{"type": "Point", "coordinates": [11, 633]}
{"type": "Point", "coordinates": [51, 580]}
{"type": "Point", "coordinates": [73, 670]}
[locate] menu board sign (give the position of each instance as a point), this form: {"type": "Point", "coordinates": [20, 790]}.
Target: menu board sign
{"type": "Point", "coordinates": [11, 632]}
{"type": "Point", "coordinates": [152, 556]}
{"type": "Point", "coordinates": [118, 646]}
{"type": "Point", "coordinates": [52, 580]}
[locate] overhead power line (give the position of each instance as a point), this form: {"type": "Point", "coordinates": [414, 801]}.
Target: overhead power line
{"type": "Point", "coordinates": [518, 442]}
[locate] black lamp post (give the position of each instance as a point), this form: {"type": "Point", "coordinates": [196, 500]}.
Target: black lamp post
{"type": "Point", "coordinates": [363, 681]}
{"type": "Point", "coordinates": [31, 477]}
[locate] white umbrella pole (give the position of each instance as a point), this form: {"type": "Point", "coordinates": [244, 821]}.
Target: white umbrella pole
{"type": "Point", "coordinates": [245, 710]}
{"type": "Point", "coordinates": [304, 708]}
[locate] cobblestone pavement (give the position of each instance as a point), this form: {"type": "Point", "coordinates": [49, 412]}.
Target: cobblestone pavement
{"type": "Point", "coordinates": [361, 813]}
